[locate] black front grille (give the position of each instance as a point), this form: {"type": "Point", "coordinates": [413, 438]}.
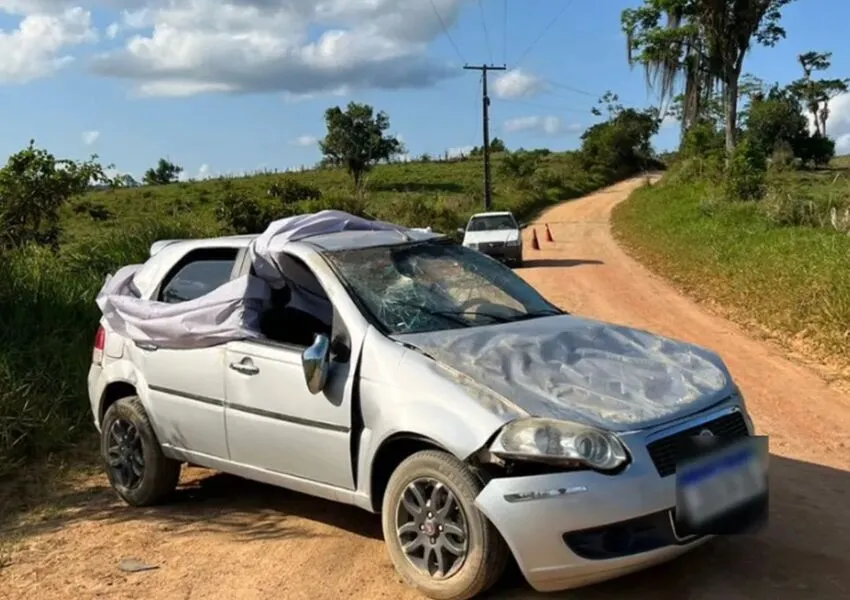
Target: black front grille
{"type": "Point", "coordinates": [666, 451]}
{"type": "Point", "coordinates": [626, 538]}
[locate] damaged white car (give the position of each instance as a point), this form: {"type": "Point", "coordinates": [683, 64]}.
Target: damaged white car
{"type": "Point", "coordinates": [394, 370]}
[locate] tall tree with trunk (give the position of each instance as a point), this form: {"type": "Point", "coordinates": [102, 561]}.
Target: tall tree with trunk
{"type": "Point", "coordinates": [696, 47]}
{"type": "Point", "coordinates": [815, 94]}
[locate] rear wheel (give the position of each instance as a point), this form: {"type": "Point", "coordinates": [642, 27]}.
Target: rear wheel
{"type": "Point", "coordinates": [137, 469]}
{"type": "Point", "coordinates": [438, 541]}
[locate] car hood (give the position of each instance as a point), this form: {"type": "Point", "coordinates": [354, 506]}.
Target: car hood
{"type": "Point", "coordinates": [489, 237]}
{"type": "Point", "coordinates": [585, 371]}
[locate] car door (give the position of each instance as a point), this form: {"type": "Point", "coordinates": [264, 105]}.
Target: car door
{"type": "Point", "coordinates": [186, 386]}
{"type": "Point", "coordinates": [275, 423]}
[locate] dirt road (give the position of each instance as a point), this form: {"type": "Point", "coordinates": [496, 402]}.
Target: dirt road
{"type": "Point", "coordinates": [224, 538]}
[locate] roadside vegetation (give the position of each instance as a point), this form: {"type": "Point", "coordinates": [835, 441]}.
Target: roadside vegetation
{"type": "Point", "coordinates": [66, 225]}
{"type": "Point", "coordinates": [754, 214]}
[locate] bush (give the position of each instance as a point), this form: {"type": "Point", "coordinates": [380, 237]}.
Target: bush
{"type": "Point", "coordinates": [46, 334]}
{"type": "Point", "coordinates": [289, 191]}
{"type": "Point", "coordinates": [782, 207]}
{"type": "Point", "coordinates": [34, 185]}
{"type": "Point", "coordinates": [702, 140]}
{"type": "Point", "coordinates": [745, 175]}
{"type": "Point", "coordinates": [521, 165]}
{"type": "Point", "coordinates": [818, 150]}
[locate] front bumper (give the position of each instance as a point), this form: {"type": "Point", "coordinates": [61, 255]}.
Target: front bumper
{"type": "Point", "coordinates": [502, 252]}
{"type": "Point", "coordinates": [549, 521]}
{"type": "Point", "coordinates": [568, 530]}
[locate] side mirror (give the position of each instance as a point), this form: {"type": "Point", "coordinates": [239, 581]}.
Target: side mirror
{"type": "Point", "coordinates": [315, 360]}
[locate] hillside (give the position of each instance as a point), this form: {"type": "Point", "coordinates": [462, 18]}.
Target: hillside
{"type": "Point", "coordinates": [441, 194]}
{"type": "Point", "coordinates": [778, 264]}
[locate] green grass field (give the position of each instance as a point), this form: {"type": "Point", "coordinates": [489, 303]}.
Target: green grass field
{"type": "Point", "coordinates": [792, 280]}
{"type": "Point", "coordinates": [440, 194]}
{"type": "Point", "coordinates": [47, 300]}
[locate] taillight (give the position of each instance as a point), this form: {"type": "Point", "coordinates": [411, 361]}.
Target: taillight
{"type": "Point", "coordinates": [99, 345]}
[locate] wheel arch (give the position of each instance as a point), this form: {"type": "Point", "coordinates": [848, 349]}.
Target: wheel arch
{"type": "Point", "coordinates": [112, 393]}
{"type": "Point", "coordinates": [389, 455]}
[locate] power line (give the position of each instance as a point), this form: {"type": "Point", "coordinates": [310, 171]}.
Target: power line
{"type": "Point", "coordinates": [446, 31]}
{"type": "Point", "coordinates": [548, 107]}
{"type": "Point", "coordinates": [545, 30]}
{"type": "Point", "coordinates": [573, 89]}
{"type": "Point", "coordinates": [486, 32]}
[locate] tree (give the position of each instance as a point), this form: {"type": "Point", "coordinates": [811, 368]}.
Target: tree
{"type": "Point", "coordinates": [700, 46]}
{"type": "Point", "coordinates": [164, 173]}
{"type": "Point", "coordinates": [777, 120]}
{"type": "Point", "coordinates": [815, 94]}
{"type": "Point", "coordinates": [356, 139]}
{"type": "Point", "coordinates": [34, 185]}
{"type": "Point", "coordinates": [622, 144]}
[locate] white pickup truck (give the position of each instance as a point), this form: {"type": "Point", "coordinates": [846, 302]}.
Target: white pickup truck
{"type": "Point", "coordinates": [496, 234]}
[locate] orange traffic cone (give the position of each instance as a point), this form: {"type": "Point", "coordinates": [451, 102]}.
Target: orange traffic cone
{"type": "Point", "coordinates": [548, 234]}
{"type": "Point", "coordinates": [535, 245]}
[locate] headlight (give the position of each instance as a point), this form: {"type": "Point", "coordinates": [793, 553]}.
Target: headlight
{"type": "Point", "coordinates": [472, 245]}
{"type": "Point", "coordinates": [513, 243]}
{"type": "Point", "coordinates": [551, 440]}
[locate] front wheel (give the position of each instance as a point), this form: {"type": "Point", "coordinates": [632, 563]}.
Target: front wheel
{"type": "Point", "coordinates": [137, 469]}
{"type": "Point", "coordinates": [438, 541]}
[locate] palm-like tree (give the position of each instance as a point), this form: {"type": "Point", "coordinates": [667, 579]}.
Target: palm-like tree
{"type": "Point", "coordinates": [699, 46]}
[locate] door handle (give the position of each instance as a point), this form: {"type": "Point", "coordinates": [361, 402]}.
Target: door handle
{"type": "Point", "coordinates": [147, 346]}
{"type": "Point", "coordinates": [245, 366]}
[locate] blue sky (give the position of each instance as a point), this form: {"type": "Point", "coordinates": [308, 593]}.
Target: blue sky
{"type": "Point", "coordinates": [221, 91]}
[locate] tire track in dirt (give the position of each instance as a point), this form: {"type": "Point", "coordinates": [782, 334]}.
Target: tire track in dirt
{"type": "Point", "coordinates": [225, 538]}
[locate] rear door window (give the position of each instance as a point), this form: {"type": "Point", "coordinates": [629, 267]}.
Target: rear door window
{"type": "Point", "coordinates": [198, 273]}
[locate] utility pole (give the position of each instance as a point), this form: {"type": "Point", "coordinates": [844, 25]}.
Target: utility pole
{"type": "Point", "coordinates": [486, 114]}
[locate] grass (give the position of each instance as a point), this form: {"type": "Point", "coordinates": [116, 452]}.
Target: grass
{"type": "Point", "coordinates": [47, 300]}
{"type": "Point", "coordinates": [788, 276]}
{"type": "Point", "coordinates": [412, 194]}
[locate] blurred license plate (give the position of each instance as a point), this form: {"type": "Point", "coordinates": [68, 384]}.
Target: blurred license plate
{"type": "Point", "coordinates": [718, 482]}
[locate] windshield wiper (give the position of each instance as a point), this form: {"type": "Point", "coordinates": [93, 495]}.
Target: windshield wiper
{"type": "Point", "coordinates": [445, 314]}
{"type": "Point", "coordinates": [549, 312]}
{"type": "Point", "coordinates": [476, 313]}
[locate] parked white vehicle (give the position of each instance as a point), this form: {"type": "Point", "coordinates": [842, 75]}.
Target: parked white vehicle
{"type": "Point", "coordinates": [495, 234]}
{"type": "Point", "coordinates": [402, 373]}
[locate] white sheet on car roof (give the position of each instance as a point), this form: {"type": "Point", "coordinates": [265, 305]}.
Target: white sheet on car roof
{"type": "Point", "coordinates": [231, 311]}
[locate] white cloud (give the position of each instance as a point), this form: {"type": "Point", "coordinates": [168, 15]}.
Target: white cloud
{"type": "Point", "coordinates": [548, 125]}
{"type": "Point", "coordinates": [292, 46]}
{"type": "Point", "coordinates": [518, 84]}
{"type": "Point", "coordinates": [39, 46]}
{"type": "Point", "coordinates": [459, 151]}
{"type": "Point", "coordinates": [90, 137]}
{"type": "Point", "coordinates": [112, 30]}
{"type": "Point", "coordinates": [204, 172]}
{"type": "Point", "coordinates": [306, 140]}
{"type": "Point", "coordinates": [838, 125]}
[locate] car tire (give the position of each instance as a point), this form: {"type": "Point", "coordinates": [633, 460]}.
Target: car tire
{"type": "Point", "coordinates": [137, 469]}
{"type": "Point", "coordinates": [485, 553]}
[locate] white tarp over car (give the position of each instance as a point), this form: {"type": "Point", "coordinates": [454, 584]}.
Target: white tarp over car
{"type": "Point", "coordinates": [231, 311]}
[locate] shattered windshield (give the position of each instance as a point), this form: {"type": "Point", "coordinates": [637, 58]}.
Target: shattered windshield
{"type": "Point", "coordinates": [492, 223]}
{"type": "Point", "coordinates": [436, 285]}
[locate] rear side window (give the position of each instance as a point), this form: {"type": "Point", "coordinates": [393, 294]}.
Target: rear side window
{"type": "Point", "coordinates": [197, 274]}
